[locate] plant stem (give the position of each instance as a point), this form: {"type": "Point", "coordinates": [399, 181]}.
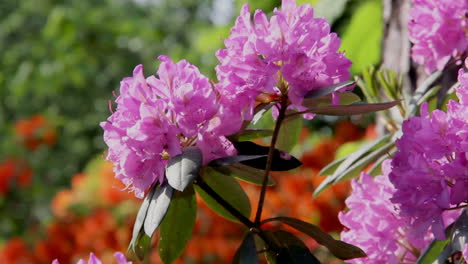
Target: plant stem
{"type": "Point", "coordinates": [279, 121]}
{"type": "Point", "coordinates": [205, 187]}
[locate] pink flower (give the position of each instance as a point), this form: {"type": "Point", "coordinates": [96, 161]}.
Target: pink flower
{"type": "Point", "coordinates": [291, 53]}
{"type": "Point", "coordinates": [373, 222]}
{"type": "Point", "coordinates": [430, 168]}
{"type": "Point", "coordinates": [438, 30]}
{"type": "Point", "coordinates": [120, 257]}
{"type": "Point", "coordinates": [158, 116]}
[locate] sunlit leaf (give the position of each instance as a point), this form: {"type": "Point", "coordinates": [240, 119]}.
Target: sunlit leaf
{"type": "Point", "coordinates": [178, 224]}
{"type": "Point", "coordinates": [229, 189]}
{"type": "Point", "coordinates": [183, 169]}
{"type": "Point", "coordinates": [157, 208]}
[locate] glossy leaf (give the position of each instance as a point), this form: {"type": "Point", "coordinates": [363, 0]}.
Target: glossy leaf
{"type": "Point", "coordinates": [177, 227]}
{"type": "Point", "coordinates": [184, 168]}
{"type": "Point", "coordinates": [289, 134]}
{"type": "Point", "coordinates": [140, 218]}
{"type": "Point", "coordinates": [290, 249]}
{"type": "Point", "coordinates": [346, 98]}
{"type": "Point", "coordinates": [251, 134]}
{"type": "Point", "coordinates": [433, 252]}
{"type": "Point", "coordinates": [325, 90]}
{"type": "Point", "coordinates": [157, 208]}
{"type": "Point", "coordinates": [233, 159]}
{"type": "Point", "coordinates": [142, 246]}
{"type": "Point", "coordinates": [338, 248]}
{"type": "Point", "coordinates": [347, 110]}
{"type": "Point", "coordinates": [247, 252]}
{"type": "Point", "coordinates": [245, 173]}
{"type": "Point", "coordinates": [229, 189]}
{"type": "Point", "coordinates": [282, 161]}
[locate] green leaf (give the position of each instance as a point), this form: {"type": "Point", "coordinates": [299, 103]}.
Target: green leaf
{"type": "Point", "coordinates": [433, 251]}
{"type": "Point", "coordinates": [247, 252]}
{"type": "Point", "coordinates": [346, 98]}
{"type": "Point", "coordinates": [282, 161]}
{"type": "Point", "coordinates": [142, 246]}
{"type": "Point", "coordinates": [251, 134]}
{"type": "Point", "coordinates": [350, 160]}
{"type": "Point", "coordinates": [177, 227]}
{"type": "Point", "coordinates": [326, 90]}
{"type": "Point", "coordinates": [347, 110]}
{"type": "Point", "coordinates": [361, 40]}
{"type": "Point", "coordinates": [184, 168]}
{"type": "Point", "coordinates": [229, 189]}
{"type": "Point", "coordinates": [140, 218]}
{"type": "Point", "coordinates": [289, 134]}
{"type": "Point", "coordinates": [338, 248]}
{"type": "Point", "coordinates": [290, 248]}
{"type": "Point", "coordinates": [245, 173]}
{"type": "Point", "coordinates": [226, 161]}
{"type": "Point", "coordinates": [157, 208]}
{"type": "Point", "coordinates": [331, 167]}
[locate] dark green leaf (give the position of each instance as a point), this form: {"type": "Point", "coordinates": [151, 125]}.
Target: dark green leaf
{"type": "Point", "coordinates": [347, 110]}
{"type": "Point", "coordinates": [289, 134]}
{"type": "Point", "coordinates": [177, 227]}
{"type": "Point", "coordinates": [338, 248]}
{"type": "Point", "coordinates": [233, 159]}
{"type": "Point", "coordinates": [282, 161]}
{"type": "Point", "coordinates": [346, 98]}
{"type": "Point", "coordinates": [183, 169]}
{"type": "Point", "coordinates": [433, 251]}
{"type": "Point", "coordinates": [142, 246]}
{"type": "Point", "coordinates": [290, 249]}
{"type": "Point", "coordinates": [229, 189]}
{"type": "Point", "coordinates": [140, 218]}
{"type": "Point", "coordinates": [247, 252]}
{"type": "Point", "coordinates": [245, 173]}
{"type": "Point", "coordinates": [325, 90]}
{"type": "Point", "coordinates": [251, 134]}
{"type": "Point", "coordinates": [157, 208]}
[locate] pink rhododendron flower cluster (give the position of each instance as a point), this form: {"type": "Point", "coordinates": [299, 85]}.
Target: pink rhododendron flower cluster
{"type": "Point", "coordinates": [438, 29]}
{"type": "Point", "coordinates": [430, 169]}
{"type": "Point", "coordinates": [120, 257]}
{"type": "Point", "coordinates": [158, 116]}
{"type": "Point", "coordinates": [394, 216]}
{"type": "Point", "coordinates": [373, 222]}
{"type": "Point", "coordinates": [291, 53]}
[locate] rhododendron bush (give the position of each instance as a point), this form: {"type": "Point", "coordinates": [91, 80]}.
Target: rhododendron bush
{"type": "Point", "coordinates": [193, 158]}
